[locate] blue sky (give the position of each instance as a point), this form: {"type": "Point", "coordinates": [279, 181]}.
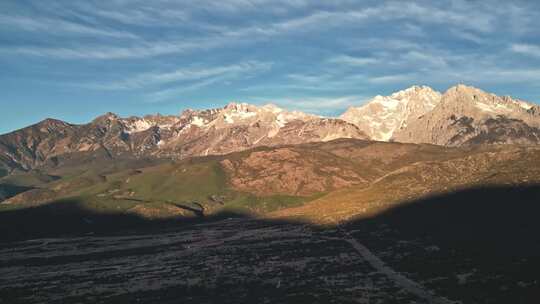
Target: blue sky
{"type": "Point", "coordinates": [74, 60]}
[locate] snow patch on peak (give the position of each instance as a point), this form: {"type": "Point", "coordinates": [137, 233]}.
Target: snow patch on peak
{"type": "Point", "coordinates": [424, 92]}
{"type": "Point", "coordinates": [198, 121]}
{"type": "Point", "coordinates": [228, 119]}
{"type": "Point", "coordinates": [503, 106]}
{"type": "Point", "coordinates": [281, 120]}
{"type": "Point", "coordinates": [235, 106]}
{"type": "Point", "coordinates": [383, 115]}
{"type": "Point", "coordinates": [485, 107]}
{"type": "Point", "coordinates": [272, 108]}
{"type": "Point", "coordinates": [387, 102]}
{"type": "Point", "coordinates": [233, 117]}
{"type": "Point", "coordinates": [524, 105]}
{"type": "Point", "coordinates": [138, 125]}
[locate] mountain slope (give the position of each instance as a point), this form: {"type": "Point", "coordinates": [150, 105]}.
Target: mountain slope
{"type": "Point", "coordinates": [446, 172]}
{"type": "Point", "coordinates": [381, 117]}
{"type": "Point", "coordinates": [467, 115]}
{"type": "Point", "coordinates": [262, 179]}
{"type": "Point", "coordinates": [326, 182]}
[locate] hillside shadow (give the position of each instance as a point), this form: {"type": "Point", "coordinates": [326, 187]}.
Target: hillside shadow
{"type": "Point", "coordinates": [481, 245]}
{"type": "Point", "coordinates": [198, 209]}
{"type": "Point", "coordinates": [487, 235]}
{"type": "Point", "coordinates": [68, 218]}
{"type": "Point", "coordinates": [501, 218]}
{"type": "Point", "coordinates": [9, 190]}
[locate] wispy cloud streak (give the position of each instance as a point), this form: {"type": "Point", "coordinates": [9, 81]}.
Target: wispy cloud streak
{"type": "Point", "coordinates": [60, 27]}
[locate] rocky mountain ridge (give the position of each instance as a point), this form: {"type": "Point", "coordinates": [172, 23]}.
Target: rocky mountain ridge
{"type": "Point", "coordinates": [383, 115]}
{"type": "Point", "coordinates": [462, 116]}
{"type": "Point", "coordinates": [236, 127]}
{"type": "Point", "coordinates": [466, 115]}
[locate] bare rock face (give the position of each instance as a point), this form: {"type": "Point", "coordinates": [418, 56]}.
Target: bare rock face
{"type": "Point", "coordinates": [383, 116]}
{"type": "Point", "coordinates": [30, 146]}
{"type": "Point", "coordinates": [242, 126]}
{"type": "Point", "coordinates": [235, 127]}
{"type": "Point", "coordinates": [467, 115]}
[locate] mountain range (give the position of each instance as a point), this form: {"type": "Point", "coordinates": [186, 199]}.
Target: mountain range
{"type": "Point", "coordinates": [461, 116]}
{"type": "Point", "coordinates": [437, 183]}
{"type": "Point", "coordinates": [193, 133]}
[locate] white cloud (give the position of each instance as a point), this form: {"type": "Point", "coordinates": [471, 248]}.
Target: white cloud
{"type": "Point", "coordinates": [194, 79]}
{"type": "Point", "coordinates": [218, 35]}
{"type": "Point", "coordinates": [400, 42]}
{"type": "Point", "coordinates": [174, 92]}
{"type": "Point", "coordinates": [353, 61]}
{"type": "Point", "coordinates": [304, 78]}
{"type": "Point", "coordinates": [425, 58]}
{"type": "Point", "coordinates": [468, 36]}
{"type": "Point", "coordinates": [184, 74]}
{"type": "Point", "coordinates": [527, 49]}
{"type": "Point", "coordinates": [390, 79]}
{"type": "Point", "coordinates": [59, 27]}
{"type": "Point", "coordinates": [139, 50]}
{"type": "Point", "coordinates": [315, 105]}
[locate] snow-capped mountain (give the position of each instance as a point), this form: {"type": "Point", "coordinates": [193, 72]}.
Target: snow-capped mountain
{"type": "Point", "coordinates": [463, 115]}
{"type": "Point", "coordinates": [238, 114]}
{"type": "Point", "coordinates": [382, 116]}
{"type": "Point", "coordinates": [240, 126]}
{"type": "Point", "coordinates": [137, 124]}
{"type": "Point", "coordinates": [236, 127]}
{"type": "Point", "coordinates": [466, 115]}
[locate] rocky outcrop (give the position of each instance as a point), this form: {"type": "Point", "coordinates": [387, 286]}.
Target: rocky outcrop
{"type": "Point", "coordinates": [467, 115]}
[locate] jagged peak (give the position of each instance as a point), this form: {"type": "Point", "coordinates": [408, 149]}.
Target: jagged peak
{"type": "Point", "coordinates": [52, 121]}
{"type": "Point", "coordinates": [239, 106]}
{"type": "Point", "coordinates": [272, 108]}
{"type": "Point", "coordinates": [50, 124]}
{"type": "Point", "coordinates": [111, 115]}
{"type": "Point", "coordinates": [415, 90]}
{"type": "Point", "coordinates": [402, 96]}
{"type": "Point", "coordinates": [487, 102]}
{"type": "Point", "coordinates": [108, 115]}
{"type": "Point", "coordinates": [465, 89]}
{"type": "Point", "coordinates": [106, 119]}
{"type": "Point", "coordinates": [473, 94]}
{"type": "Point", "coordinates": [243, 106]}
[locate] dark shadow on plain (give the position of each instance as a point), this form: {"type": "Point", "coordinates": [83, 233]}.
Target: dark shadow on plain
{"type": "Point", "coordinates": [67, 218]}
{"type": "Point", "coordinates": [477, 245]}
{"type": "Point", "coordinates": [481, 244]}
{"type": "Point", "coordinates": [502, 220]}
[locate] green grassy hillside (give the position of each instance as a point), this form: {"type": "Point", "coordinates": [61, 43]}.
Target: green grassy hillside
{"type": "Point", "coordinates": [339, 179]}
{"type": "Point", "coordinates": [188, 188]}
